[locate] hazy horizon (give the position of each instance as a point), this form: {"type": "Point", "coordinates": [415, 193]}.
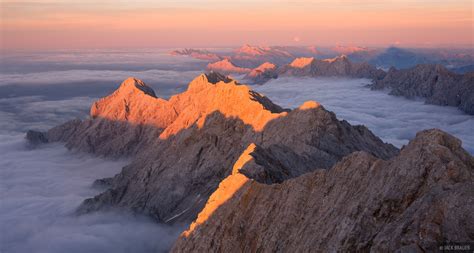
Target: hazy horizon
{"type": "Point", "coordinates": [73, 24]}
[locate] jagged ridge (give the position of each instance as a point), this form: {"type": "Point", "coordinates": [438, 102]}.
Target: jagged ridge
{"type": "Point", "coordinates": [411, 203]}
{"type": "Point", "coordinates": [434, 82]}
{"type": "Point", "coordinates": [183, 147]}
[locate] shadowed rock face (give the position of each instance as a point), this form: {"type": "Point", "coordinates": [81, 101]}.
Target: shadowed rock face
{"type": "Point", "coordinates": [434, 82]}
{"type": "Point", "coordinates": [183, 147]}
{"type": "Point", "coordinates": [410, 203]}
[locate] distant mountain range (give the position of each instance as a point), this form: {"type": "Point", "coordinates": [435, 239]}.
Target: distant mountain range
{"type": "Point", "coordinates": [249, 56]}
{"type": "Point", "coordinates": [197, 53]}
{"type": "Point", "coordinates": [339, 66]}
{"type": "Point", "coordinates": [303, 66]}
{"type": "Point", "coordinates": [434, 82]}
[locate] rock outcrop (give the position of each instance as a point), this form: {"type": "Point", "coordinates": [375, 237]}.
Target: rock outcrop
{"type": "Point", "coordinates": [262, 74]}
{"type": "Point", "coordinates": [410, 203]}
{"type": "Point", "coordinates": [182, 148]}
{"type": "Point", "coordinates": [434, 82]}
{"type": "Point", "coordinates": [225, 66]}
{"type": "Point", "coordinates": [339, 66]}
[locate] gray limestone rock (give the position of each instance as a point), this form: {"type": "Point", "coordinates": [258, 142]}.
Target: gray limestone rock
{"type": "Point", "coordinates": [435, 83]}
{"type": "Point", "coordinates": [412, 202]}
{"type": "Point", "coordinates": [183, 147]}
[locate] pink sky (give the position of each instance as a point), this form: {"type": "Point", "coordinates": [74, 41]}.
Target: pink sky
{"type": "Point", "coordinates": [49, 24]}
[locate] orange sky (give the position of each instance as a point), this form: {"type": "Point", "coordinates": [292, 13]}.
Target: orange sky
{"type": "Point", "coordinates": [33, 24]}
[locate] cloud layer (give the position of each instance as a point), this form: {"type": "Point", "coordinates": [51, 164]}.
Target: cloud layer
{"type": "Point", "coordinates": [394, 119]}
{"type": "Point", "coordinates": [40, 188]}
{"type": "Point", "coordinates": [39, 191]}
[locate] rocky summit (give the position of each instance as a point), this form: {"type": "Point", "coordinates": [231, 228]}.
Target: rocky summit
{"type": "Point", "coordinates": [338, 66]}
{"type": "Point", "coordinates": [263, 73]}
{"type": "Point", "coordinates": [226, 66]}
{"type": "Point", "coordinates": [184, 147]}
{"type": "Point", "coordinates": [410, 203]}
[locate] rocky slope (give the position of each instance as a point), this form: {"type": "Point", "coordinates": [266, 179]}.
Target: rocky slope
{"type": "Point", "coordinates": [225, 66]}
{"type": "Point", "coordinates": [339, 66]}
{"type": "Point", "coordinates": [410, 203]}
{"type": "Point", "coordinates": [183, 147]}
{"type": "Point", "coordinates": [434, 82]}
{"type": "Point", "coordinates": [262, 74]}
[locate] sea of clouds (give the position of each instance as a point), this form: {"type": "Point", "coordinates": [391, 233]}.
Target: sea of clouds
{"type": "Point", "coordinates": [41, 187]}
{"type": "Point", "coordinates": [394, 119]}
{"type": "Point", "coordinates": [40, 190]}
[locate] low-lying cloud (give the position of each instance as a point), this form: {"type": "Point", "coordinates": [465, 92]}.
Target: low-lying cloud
{"type": "Point", "coordinates": [41, 188]}
{"type": "Point", "coordinates": [104, 59]}
{"type": "Point", "coordinates": [20, 114]}
{"type": "Point", "coordinates": [394, 119]}
{"type": "Point", "coordinates": [71, 76]}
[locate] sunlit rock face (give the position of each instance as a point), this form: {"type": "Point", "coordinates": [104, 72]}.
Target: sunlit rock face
{"type": "Point", "coordinates": [298, 67]}
{"type": "Point", "coordinates": [410, 203]}
{"type": "Point", "coordinates": [226, 66]}
{"type": "Point", "coordinates": [347, 50]}
{"type": "Point", "coordinates": [340, 66]}
{"type": "Point", "coordinates": [182, 148]}
{"type": "Point", "coordinates": [263, 73]}
{"type": "Point", "coordinates": [434, 82]}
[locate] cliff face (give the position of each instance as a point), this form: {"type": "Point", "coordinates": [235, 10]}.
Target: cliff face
{"type": "Point", "coordinates": [434, 82]}
{"type": "Point", "coordinates": [339, 66]}
{"type": "Point", "coordinates": [183, 147]}
{"type": "Point", "coordinates": [410, 203]}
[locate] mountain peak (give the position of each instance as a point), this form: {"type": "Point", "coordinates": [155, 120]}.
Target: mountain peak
{"type": "Point", "coordinates": [266, 66]}
{"type": "Point", "coordinates": [302, 62]}
{"type": "Point", "coordinates": [349, 49]}
{"type": "Point", "coordinates": [309, 105]}
{"type": "Point", "coordinates": [340, 58]}
{"type": "Point", "coordinates": [250, 50]}
{"type": "Point", "coordinates": [132, 84]}
{"type": "Point", "coordinates": [226, 66]}
{"type": "Point", "coordinates": [215, 77]}
{"type": "Point", "coordinates": [212, 78]}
